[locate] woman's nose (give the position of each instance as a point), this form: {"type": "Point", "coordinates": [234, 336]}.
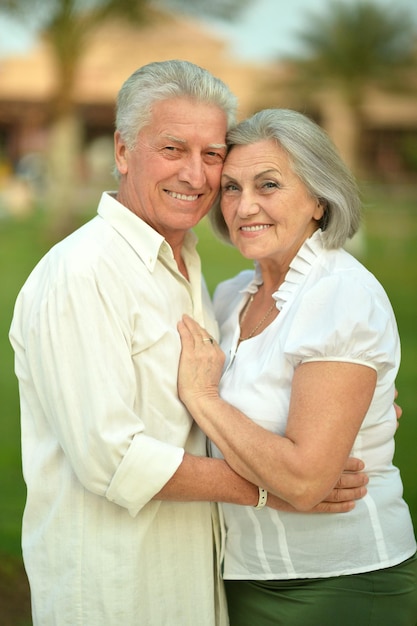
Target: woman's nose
{"type": "Point", "coordinates": [248, 205]}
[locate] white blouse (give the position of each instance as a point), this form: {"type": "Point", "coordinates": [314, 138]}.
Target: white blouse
{"type": "Point", "coordinates": [331, 308]}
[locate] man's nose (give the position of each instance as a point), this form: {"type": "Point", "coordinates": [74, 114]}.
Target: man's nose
{"type": "Point", "coordinates": [193, 172]}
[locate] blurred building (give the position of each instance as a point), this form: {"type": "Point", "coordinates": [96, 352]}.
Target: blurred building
{"type": "Point", "coordinates": [27, 81]}
{"type": "Point", "coordinates": [27, 84]}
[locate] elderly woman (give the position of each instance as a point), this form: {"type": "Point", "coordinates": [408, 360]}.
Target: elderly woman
{"type": "Point", "coordinates": [312, 352]}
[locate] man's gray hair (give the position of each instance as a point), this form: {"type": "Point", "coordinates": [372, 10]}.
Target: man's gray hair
{"type": "Point", "coordinates": [163, 80]}
{"type": "Point", "coordinates": [316, 162]}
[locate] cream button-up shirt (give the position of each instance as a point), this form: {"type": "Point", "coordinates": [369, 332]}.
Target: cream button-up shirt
{"type": "Point", "coordinates": [96, 356]}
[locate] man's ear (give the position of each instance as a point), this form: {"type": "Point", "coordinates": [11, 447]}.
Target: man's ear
{"type": "Point", "coordinates": [120, 153]}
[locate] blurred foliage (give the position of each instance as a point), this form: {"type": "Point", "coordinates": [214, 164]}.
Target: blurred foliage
{"type": "Point", "coordinates": [347, 50]}
{"type": "Point", "coordinates": [222, 9]}
{"type": "Point", "coordinates": [409, 150]}
{"type": "Point", "coordinates": [355, 44]}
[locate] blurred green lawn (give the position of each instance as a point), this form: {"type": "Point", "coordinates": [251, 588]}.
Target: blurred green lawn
{"type": "Point", "coordinates": [390, 221]}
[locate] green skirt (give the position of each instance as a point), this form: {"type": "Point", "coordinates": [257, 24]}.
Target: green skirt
{"type": "Point", "coordinates": [386, 597]}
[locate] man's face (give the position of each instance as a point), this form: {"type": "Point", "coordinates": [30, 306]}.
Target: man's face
{"type": "Point", "coordinates": [172, 176]}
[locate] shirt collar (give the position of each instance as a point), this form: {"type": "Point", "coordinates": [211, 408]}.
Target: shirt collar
{"type": "Point", "coordinates": [147, 242]}
{"type": "Point", "coordinates": [299, 267]}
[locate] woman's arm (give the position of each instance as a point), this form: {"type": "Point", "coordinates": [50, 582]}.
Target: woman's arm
{"type": "Point", "coordinates": [328, 403]}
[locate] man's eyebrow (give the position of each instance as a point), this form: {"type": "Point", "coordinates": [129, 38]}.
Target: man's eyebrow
{"type": "Point", "coordinates": [216, 146]}
{"type": "Point", "coordinates": [173, 138]}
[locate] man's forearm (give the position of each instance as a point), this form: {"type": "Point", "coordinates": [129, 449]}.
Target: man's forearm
{"type": "Point", "coordinates": [207, 479]}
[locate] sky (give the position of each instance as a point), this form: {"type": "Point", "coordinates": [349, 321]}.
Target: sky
{"type": "Point", "coordinates": [265, 31]}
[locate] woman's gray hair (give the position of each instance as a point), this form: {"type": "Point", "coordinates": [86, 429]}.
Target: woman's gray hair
{"type": "Point", "coordinates": [316, 162]}
{"type": "Point", "coordinates": [162, 80]}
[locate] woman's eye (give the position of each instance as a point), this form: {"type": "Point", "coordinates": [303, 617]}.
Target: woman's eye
{"type": "Point", "coordinates": [270, 184]}
{"type": "Point", "coordinates": [229, 187]}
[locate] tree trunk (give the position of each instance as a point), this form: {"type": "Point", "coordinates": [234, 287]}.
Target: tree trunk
{"type": "Point", "coordinates": [64, 174]}
{"type": "Point", "coordinates": [342, 123]}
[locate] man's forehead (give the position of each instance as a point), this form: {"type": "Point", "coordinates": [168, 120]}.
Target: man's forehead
{"type": "Point", "coordinates": [182, 118]}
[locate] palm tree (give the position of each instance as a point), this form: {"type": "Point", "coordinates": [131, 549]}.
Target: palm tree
{"type": "Point", "coordinates": [352, 47]}
{"type": "Point", "coordinates": [68, 26]}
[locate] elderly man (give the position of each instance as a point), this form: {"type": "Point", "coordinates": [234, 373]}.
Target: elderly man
{"type": "Point", "coordinates": [120, 516]}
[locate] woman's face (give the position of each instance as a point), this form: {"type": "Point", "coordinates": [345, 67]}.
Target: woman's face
{"type": "Point", "coordinates": [268, 210]}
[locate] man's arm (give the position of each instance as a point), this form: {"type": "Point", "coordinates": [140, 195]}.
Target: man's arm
{"type": "Point", "coordinates": [206, 479]}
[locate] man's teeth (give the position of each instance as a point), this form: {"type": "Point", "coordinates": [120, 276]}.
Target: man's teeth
{"type": "Point", "coordinates": [182, 196]}
{"type": "Point", "coordinates": [253, 228]}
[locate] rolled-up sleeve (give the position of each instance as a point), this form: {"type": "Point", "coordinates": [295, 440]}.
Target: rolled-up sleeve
{"type": "Point", "coordinates": [143, 459]}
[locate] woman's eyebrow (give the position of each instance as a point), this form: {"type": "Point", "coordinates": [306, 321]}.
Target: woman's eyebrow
{"type": "Point", "coordinates": [259, 175]}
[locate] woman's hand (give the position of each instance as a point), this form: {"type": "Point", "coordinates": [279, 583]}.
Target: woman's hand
{"type": "Point", "coordinates": [201, 363]}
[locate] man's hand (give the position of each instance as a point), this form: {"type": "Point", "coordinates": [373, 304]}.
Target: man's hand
{"type": "Point", "coordinates": [398, 409]}
{"type": "Point", "coordinates": [351, 486]}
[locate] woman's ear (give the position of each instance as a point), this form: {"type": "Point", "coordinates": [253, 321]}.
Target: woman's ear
{"type": "Point", "coordinates": [323, 213]}
{"type": "Point", "coordinates": [320, 209]}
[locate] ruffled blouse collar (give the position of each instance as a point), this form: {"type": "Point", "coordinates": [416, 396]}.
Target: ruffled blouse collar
{"type": "Point", "coordinates": [300, 266]}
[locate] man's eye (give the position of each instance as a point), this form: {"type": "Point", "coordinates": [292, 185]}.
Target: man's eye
{"type": "Point", "coordinates": [215, 156]}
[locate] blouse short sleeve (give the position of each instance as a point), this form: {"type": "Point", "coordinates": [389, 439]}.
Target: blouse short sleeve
{"type": "Point", "coordinates": [344, 317]}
